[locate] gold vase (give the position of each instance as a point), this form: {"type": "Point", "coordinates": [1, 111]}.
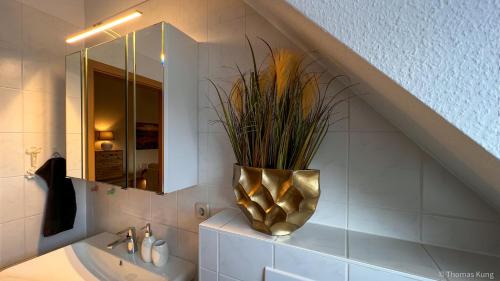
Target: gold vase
{"type": "Point", "coordinates": [275, 201]}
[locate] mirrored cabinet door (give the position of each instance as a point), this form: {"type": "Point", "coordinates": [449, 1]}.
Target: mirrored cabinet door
{"type": "Point", "coordinates": [106, 96]}
{"type": "Point", "coordinates": [147, 118]}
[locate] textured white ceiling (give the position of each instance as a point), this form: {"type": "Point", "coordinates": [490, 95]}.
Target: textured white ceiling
{"type": "Point", "coordinates": [445, 53]}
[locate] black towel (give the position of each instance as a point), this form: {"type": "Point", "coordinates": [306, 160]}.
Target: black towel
{"type": "Point", "coordinates": [60, 210]}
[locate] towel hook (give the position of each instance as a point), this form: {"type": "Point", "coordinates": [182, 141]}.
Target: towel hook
{"type": "Point", "coordinates": [56, 155]}
{"type": "Point", "coordinates": [33, 152]}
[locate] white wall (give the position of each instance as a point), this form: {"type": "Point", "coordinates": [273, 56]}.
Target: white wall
{"type": "Point", "coordinates": [373, 178]}
{"type": "Point", "coordinates": [443, 52]}
{"type": "Point", "coordinates": [32, 113]}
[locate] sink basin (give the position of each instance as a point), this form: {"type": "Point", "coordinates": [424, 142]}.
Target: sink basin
{"type": "Point", "coordinates": [89, 259]}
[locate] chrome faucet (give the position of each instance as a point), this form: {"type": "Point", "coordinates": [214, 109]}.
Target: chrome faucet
{"type": "Point", "coordinates": [130, 239]}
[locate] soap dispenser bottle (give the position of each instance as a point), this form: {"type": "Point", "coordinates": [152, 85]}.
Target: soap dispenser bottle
{"type": "Point", "coordinates": [147, 243]}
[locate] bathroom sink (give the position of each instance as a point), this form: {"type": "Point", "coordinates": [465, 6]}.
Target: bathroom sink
{"type": "Point", "coordinates": [89, 259]}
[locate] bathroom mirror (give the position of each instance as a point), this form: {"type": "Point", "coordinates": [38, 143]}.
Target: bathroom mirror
{"type": "Point", "coordinates": [138, 130]}
{"type": "Point", "coordinates": [148, 130]}
{"type": "Point", "coordinates": [106, 95]}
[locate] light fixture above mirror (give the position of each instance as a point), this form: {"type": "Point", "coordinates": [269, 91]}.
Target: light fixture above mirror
{"type": "Point", "coordinates": [99, 27]}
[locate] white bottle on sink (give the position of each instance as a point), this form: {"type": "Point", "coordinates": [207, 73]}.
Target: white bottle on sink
{"type": "Point", "coordinates": [147, 244]}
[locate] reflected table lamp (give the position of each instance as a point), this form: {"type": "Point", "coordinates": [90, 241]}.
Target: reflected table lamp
{"type": "Point", "coordinates": [106, 137]}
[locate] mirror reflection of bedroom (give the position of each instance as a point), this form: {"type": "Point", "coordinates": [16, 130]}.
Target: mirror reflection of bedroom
{"type": "Point", "coordinates": [148, 136]}
{"type": "Point", "coordinates": [107, 98]}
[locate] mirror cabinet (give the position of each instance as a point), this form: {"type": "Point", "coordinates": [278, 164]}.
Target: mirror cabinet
{"type": "Point", "coordinates": [131, 111]}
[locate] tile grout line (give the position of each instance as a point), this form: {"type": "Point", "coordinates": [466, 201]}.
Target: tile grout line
{"type": "Point", "coordinates": [461, 218]}
{"type": "Point", "coordinates": [433, 261]}
{"type": "Point", "coordinates": [22, 126]}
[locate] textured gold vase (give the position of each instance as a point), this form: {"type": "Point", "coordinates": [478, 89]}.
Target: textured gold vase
{"type": "Point", "coordinates": [276, 202]}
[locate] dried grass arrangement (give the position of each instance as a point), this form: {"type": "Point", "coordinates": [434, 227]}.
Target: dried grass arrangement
{"type": "Point", "coordinates": [276, 116]}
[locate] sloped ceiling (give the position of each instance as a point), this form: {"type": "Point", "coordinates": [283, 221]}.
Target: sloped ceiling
{"type": "Point", "coordinates": [437, 85]}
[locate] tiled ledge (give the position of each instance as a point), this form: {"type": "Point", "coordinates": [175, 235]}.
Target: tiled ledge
{"type": "Point", "coordinates": [314, 247]}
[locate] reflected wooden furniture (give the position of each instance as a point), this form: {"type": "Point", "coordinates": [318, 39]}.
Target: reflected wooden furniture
{"type": "Point", "coordinates": [108, 165]}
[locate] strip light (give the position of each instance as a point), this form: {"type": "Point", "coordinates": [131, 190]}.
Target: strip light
{"type": "Point", "coordinates": [103, 26]}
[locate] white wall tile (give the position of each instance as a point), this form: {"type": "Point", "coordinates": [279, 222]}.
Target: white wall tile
{"type": "Point", "coordinates": [164, 208]}
{"type": "Point", "coordinates": [138, 203]}
{"type": "Point", "coordinates": [33, 235]}
{"type": "Point", "coordinates": [11, 199]}
{"type": "Point", "coordinates": [452, 262]}
{"type": "Point", "coordinates": [208, 252]}
{"type": "Point", "coordinates": [385, 222]}
{"type": "Point", "coordinates": [207, 275]}
{"type": "Point", "coordinates": [188, 246]}
{"type": "Point", "coordinates": [136, 222]}
{"type": "Point", "coordinates": [257, 27]}
{"type": "Point", "coordinates": [42, 34]}
{"type": "Point", "coordinates": [362, 273]}
{"type": "Point", "coordinates": [10, 65]}
{"type": "Point", "coordinates": [240, 224]}
{"type": "Point", "coordinates": [109, 208]}
{"type": "Point", "coordinates": [12, 242]}
{"type": "Point", "coordinates": [221, 219]}
{"type": "Point", "coordinates": [384, 171]}
{"type": "Point", "coordinates": [221, 197]}
{"type": "Point", "coordinates": [330, 213]}
{"type": "Point", "coordinates": [187, 198]}
{"type": "Point", "coordinates": [220, 160]}
{"type": "Point", "coordinates": [193, 19]}
{"type": "Point", "coordinates": [340, 122]}
{"type": "Point", "coordinates": [462, 234]}
{"type": "Point", "coordinates": [221, 11]}
{"type": "Point", "coordinates": [398, 255]}
{"type": "Point", "coordinates": [10, 22]}
{"type": "Point", "coordinates": [202, 157]}
{"type": "Point", "coordinates": [331, 160]}
{"type": "Point", "coordinates": [223, 277]}
{"type": "Point", "coordinates": [99, 207]}
{"type": "Point", "coordinates": [35, 191]}
{"type": "Point", "coordinates": [70, 11]}
{"type": "Point", "coordinates": [363, 118]}
{"type": "Point", "coordinates": [237, 257]}
{"type": "Point", "coordinates": [226, 37]}
{"type": "Point", "coordinates": [36, 244]}
{"type": "Point", "coordinates": [309, 264]}
{"type": "Point", "coordinates": [35, 116]}
{"type": "Point", "coordinates": [11, 115]}
{"type": "Point", "coordinates": [320, 238]}
{"type": "Point", "coordinates": [12, 154]}
{"type": "Point", "coordinates": [278, 275]}
{"type": "Point", "coordinates": [167, 233]}
{"type": "Point", "coordinates": [444, 194]}
{"type": "Point", "coordinates": [48, 142]}
{"type": "Point", "coordinates": [206, 114]}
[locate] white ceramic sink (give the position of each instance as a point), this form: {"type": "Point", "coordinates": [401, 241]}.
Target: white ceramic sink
{"type": "Point", "coordinates": [91, 260]}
